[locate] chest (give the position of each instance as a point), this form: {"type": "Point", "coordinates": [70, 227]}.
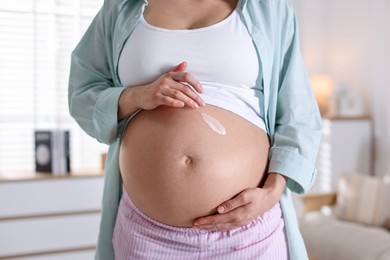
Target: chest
{"type": "Point", "coordinates": [222, 52]}
{"type": "Point", "coordinates": [188, 14]}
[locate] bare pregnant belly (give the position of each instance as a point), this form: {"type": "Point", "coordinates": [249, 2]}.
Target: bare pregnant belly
{"type": "Point", "coordinates": [180, 164]}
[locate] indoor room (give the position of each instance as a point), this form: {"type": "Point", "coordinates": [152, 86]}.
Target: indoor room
{"type": "Point", "coordinates": [53, 183]}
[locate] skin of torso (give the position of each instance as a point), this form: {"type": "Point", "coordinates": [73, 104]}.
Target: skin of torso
{"type": "Point", "coordinates": [187, 14]}
{"type": "Point", "coordinates": [174, 166]}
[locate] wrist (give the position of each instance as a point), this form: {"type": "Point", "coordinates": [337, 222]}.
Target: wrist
{"type": "Point", "coordinates": [275, 185]}
{"type": "Point", "coordinates": [126, 103]}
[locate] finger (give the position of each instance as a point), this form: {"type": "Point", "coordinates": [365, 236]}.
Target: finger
{"type": "Point", "coordinates": [240, 200]}
{"type": "Point", "coordinates": [181, 67]}
{"type": "Point", "coordinates": [192, 95]}
{"type": "Point", "coordinates": [177, 94]}
{"type": "Point", "coordinates": [227, 221]}
{"type": "Point", "coordinates": [189, 79]}
{"type": "Point", "coordinates": [215, 219]}
{"type": "Point", "coordinates": [172, 102]}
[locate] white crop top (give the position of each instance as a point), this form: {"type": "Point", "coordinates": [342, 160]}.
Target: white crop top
{"type": "Point", "coordinates": [222, 57]}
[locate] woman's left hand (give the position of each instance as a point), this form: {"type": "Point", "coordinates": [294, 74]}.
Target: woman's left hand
{"type": "Point", "coordinates": [246, 206]}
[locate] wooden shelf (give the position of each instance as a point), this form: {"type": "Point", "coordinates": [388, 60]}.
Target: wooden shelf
{"type": "Point", "coordinates": [33, 176]}
{"type": "Point", "coordinates": [336, 117]}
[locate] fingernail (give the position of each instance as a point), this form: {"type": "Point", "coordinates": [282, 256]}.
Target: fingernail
{"type": "Point", "coordinates": [194, 105]}
{"type": "Point", "coordinates": [221, 209]}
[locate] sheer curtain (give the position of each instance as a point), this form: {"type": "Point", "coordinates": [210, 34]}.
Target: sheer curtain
{"type": "Point", "coordinates": [36, 40]}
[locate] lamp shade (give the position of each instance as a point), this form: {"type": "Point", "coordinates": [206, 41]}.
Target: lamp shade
{"type": "Point", "coordinates": [323, 89]}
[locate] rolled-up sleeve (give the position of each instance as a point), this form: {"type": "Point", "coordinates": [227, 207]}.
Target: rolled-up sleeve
{"type": "Point", "coordinates": [92, 94]}
{"type": "Point", "coordinates": [297, 120]}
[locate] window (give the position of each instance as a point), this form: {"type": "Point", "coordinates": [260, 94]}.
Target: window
{"type": "Point", "coordinates": [36, 40]}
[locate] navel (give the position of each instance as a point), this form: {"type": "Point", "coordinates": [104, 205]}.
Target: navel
{"type": "Point", "coordinates": [214, 124]}
{"type": "Point", "coordinates": [188, 160]}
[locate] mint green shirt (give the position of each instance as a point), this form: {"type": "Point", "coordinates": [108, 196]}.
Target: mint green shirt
{"type": "Point", "coordinates": [291, 113]}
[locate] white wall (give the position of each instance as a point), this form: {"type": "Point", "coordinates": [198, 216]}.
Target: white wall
{"type": "Point", "coordinates": [350, 41]}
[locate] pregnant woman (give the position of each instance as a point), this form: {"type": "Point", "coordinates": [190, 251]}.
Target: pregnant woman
{"type": "Point", "coordinates": [211, 123]}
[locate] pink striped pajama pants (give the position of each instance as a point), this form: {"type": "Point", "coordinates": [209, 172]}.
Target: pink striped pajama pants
{"type": "Point", "coordinates": [137, 236]}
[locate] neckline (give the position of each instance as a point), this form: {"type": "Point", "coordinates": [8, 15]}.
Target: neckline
{"type": "Point", "coordinates": [200, 29]}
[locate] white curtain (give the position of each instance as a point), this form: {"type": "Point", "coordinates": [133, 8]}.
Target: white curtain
{"type": "Point", "coordinates": [36, 40]}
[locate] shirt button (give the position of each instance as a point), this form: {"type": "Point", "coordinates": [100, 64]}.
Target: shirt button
{"type": "Point", "coordinates": [118, 45]}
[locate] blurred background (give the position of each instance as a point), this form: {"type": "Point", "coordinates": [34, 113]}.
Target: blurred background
{"type": "Point", "coordinates": [36, 40]}
{"type": "Point", "coordinates": [345, 45]}
{"type": "Point", "coordinates": [348, 42]}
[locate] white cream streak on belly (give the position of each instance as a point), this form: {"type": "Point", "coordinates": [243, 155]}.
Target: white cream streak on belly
{"type": "Point", "coordinates": [214, 124]}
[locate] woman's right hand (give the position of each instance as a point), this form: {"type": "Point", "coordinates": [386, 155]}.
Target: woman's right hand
{"type": "Point", "coordinates": [176, 88]}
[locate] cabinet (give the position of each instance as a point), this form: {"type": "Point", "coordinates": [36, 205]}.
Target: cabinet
{"type": "Point", "coordinates": [50, 218]}
{"type": "Point", "coordinates": [346, 147]}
